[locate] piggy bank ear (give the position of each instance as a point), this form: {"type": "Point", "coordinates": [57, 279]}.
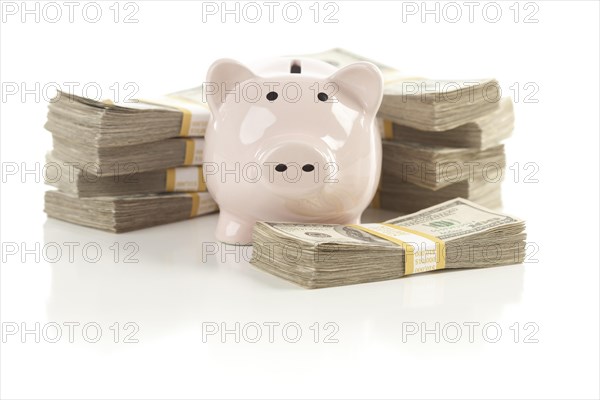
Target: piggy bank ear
{"type": "Point", "coordinates": [224, 75]}
{"type": "Point", "coordinates": [363, 81]}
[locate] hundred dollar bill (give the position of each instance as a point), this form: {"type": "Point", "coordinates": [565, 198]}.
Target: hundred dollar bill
{"type": "Point", "coordinates": [450, 235]}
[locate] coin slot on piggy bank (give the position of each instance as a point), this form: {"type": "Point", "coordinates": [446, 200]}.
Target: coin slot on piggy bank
{"type": "Point", "coordinates": [291, 140]}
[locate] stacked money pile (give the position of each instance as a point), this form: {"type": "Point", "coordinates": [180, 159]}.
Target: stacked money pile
{"type": "Point", "coordinates": [424, 167]}
{"type": "Point", "coordinates": [453, 234]}
{"type": "Point", "coordinates": [442, 139]}
{"type": "Point", "coordinates": [121, 167]}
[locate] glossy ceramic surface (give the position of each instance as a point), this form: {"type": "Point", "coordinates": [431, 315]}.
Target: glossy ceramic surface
{"type": "Point", "coordinates": [291, 140]}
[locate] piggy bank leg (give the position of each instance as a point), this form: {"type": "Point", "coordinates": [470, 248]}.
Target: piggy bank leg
{"type": "Point", "coordinates": [232, 229]}
{"type": "Point", "coordinates": [353, 221]}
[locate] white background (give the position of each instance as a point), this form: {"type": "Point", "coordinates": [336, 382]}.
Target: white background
{"type": "Point", "coordinates": [170, 293]}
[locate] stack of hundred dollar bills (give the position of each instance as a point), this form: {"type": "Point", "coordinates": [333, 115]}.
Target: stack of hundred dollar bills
{"type": "Point", "coordinates": [454, 234]}
{"type": "Point", "coordinates": [132, 165]}
{"type": "Point", "coordinates": [442, 138]}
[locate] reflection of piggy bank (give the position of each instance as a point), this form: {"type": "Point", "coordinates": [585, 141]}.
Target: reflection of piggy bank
{"type": "Point", "coordinates": [293, 140]}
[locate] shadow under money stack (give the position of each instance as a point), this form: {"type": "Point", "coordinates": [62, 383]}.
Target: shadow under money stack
{"type": "Point", "coordinates": [122, 167]}
{"type": "Point", "coordinates": [442, 139]}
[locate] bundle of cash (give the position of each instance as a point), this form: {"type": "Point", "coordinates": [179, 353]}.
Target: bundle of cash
{"type": "Point", "coordinates": [76, 119]}
{"type": "Point", "coordinates": [127, 213]}
{"type": "Point", "coordinates": [481, 133]}
{"type": "Point", "coordinates": [142, 157]}
{"type": "Point", "coordinates": [426, 104]}
{"type": "Point", "coordinates": [453, 234]}
{"type": "Point", "coordinates": [81, 183]}
{"type": "Point", "coordinates": [438, 167]}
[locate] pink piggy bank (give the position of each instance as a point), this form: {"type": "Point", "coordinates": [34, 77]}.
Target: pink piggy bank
{"type": "Point", "coordinates": [291, 140]}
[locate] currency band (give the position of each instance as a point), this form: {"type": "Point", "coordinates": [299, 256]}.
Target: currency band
{"type": "Point", "coordinates": [185, 179]}
{"type": "Point", "coordinates": [422, 252]}
{"type": "Point", "coordinates": [195, 204]}
{"type": "Point", "coordinates": [194, 151]}
{"type": "Point", "coordinates": [388, 129]}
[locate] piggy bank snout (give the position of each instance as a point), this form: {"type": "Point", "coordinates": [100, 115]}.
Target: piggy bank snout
{"type": "Point", "coordinates": [294, 168]}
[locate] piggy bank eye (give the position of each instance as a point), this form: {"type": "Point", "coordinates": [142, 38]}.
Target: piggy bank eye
{"type": "Point", "coordinates": [323, 96]}
{"type": "Point", "coordinates": [271, 96]}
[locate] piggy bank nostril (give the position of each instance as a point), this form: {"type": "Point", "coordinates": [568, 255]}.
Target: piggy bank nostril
{"type": "Point", "coordinates": [280, 167]}
{"type": "Point", "coordinates": [308, 167]}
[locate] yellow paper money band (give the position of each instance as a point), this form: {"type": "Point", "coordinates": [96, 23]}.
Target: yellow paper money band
{"type": "Point", "coordinates": [185, 179]}
{"type": "Point", "coordinates": [422, 252]}
{"type": "Point", "coordinates": [195, 114]}
{"type": "Point", "coordinates": [194, 151]}
{"type": "Point", "coordinates": [388, 129]}
{"type": "Point", "coordinates": [202, 203]}
{"type": "Point", "coordinates": [195, 204]}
